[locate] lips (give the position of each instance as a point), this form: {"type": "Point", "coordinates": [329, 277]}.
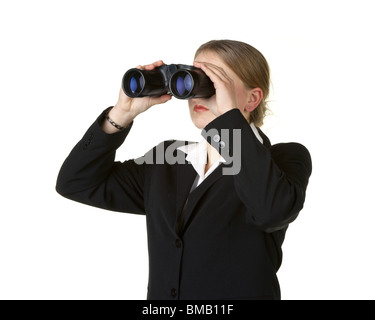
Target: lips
{"type": "Point", "coordinates": [200, 108]}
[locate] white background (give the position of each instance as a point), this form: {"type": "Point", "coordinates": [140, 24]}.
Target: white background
{"type": "Point", "coordinates": [61, 65]}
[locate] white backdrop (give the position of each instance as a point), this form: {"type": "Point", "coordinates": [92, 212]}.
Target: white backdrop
{"type": "Point", "coordinates": [61, 65]}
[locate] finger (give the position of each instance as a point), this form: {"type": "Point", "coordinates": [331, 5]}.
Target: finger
{"type": "Point", "coordinates": [160, 100]}
{"type": "Point", "coordinates": [215, 73]}
{"type": "Point", "coordinates": [158, 63]}
{"type": "Point", "coordinates": [154, 65]}
{"type": "Point", "coordinates": [210, 70]}
{"type": "Point", "coordinates": [150, 66]}
{"type": "Point", "coordinates": [220, 72]}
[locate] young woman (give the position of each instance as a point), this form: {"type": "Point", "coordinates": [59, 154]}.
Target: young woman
{"type": "Point", "coordinates": [212, 234]}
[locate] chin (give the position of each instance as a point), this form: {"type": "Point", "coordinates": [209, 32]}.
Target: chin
{"type": "Point", "coordinates": [199, 126]}
{"type": "Point", "coordinates": [200, 122]}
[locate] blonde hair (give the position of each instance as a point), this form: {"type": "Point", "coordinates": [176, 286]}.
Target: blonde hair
{"type": "Point", "coordinates": [249, 65]}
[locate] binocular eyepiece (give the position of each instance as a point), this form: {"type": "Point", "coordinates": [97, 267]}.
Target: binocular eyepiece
{"type": "Point", "coordinates": [182, 81]}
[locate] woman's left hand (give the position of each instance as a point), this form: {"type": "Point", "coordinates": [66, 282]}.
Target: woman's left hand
{"type": "Point", "coordinates": [225, 88]}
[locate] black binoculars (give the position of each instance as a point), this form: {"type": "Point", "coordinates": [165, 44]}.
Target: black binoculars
{"type": "Point", "coordinates": [182, 81]}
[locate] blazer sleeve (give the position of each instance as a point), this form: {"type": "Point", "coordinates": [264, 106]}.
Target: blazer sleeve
{"type": "Point", "coordinates": [91, 176]}
{"type": "Point", "coordinates": [271, 182]}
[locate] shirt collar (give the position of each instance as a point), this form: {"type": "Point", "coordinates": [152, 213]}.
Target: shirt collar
{"type": "Point", "coordinates": [256, 132]}
{"type": "Point", "coordinates": [197, 152]}
{"type": "Point", "coordinates": [197, 155]}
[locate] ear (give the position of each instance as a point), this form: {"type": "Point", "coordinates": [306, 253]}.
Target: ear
{"type": "Point", "coordinates": [255, 97]}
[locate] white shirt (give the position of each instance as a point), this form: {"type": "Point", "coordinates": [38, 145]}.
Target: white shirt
{"type": "Point", "coordinates": [197, 156]}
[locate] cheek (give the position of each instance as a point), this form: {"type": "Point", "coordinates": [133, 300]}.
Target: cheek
{"type": "Point", "coordinates": [190, 104]}
{"type": "Point", "coordinates": [241, 98]}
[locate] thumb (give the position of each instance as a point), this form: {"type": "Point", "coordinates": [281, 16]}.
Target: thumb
{"type": "Point", "coordinates": [160, 100]}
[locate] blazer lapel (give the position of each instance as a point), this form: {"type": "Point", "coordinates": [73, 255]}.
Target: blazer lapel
{"type": "Point", "coordinates": [197, 194]}
{"type": "Point", "coordinates": [185, 176]}
{"type": "Point", "coordinates": [266, 141]}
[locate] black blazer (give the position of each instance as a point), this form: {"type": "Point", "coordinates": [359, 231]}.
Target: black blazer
{"type": "Point", "coordinates": [226, 244]}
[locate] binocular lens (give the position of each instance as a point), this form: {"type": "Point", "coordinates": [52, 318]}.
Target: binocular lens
{"type": "Point", "coordinates": [136, 83]}
{"type": "Point", "coordinates": [184, 84]}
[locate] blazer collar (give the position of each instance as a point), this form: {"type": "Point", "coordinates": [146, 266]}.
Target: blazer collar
{"type": "Point", "coordinates": [266, 141]}
{"type": "Point", "coordinates": [193, 198]}
{"type": "Point", "coordinates": [185, 176]}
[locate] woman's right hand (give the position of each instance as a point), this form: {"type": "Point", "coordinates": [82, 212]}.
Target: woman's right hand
{"type": "Point", "coordinates": [126, 108]}
{"type": "Point", "coordinates": [139, 105]}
